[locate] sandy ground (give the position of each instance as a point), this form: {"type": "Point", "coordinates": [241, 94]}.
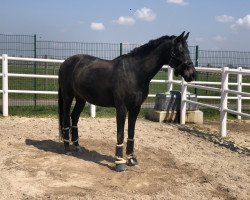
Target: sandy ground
{"type": "Point", "coordinates": [173, 163]}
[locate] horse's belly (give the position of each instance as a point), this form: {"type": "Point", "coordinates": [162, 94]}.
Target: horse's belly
{"type": "Point", "coordinates": [105, 102]}
{"type": "Point", "coordinates": [100, 97]}
{"type": "Point", "coordinates": [135, 99]}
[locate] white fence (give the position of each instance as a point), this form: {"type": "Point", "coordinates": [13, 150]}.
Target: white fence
{"type": "Point", "coordinates": [223, 108]}
{"type": "Point", "coordinates": [184, 85]}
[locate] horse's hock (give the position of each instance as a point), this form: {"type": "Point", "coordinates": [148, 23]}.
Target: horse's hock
{"type": "Point", "coordinates": [167, 108]}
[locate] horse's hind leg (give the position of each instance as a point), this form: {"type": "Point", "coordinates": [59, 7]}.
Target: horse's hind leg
{"type": "Point", "coordinates": [67, 101]}
{"type": "Point", "coordinates": [132, 116]}
{"type": "Point", "coordinates": [75, 114]}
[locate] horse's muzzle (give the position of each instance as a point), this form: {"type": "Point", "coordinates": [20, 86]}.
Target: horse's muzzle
{"type": "Point", "coordinates": [190, 74]}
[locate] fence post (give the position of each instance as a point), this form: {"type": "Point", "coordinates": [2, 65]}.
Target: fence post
{"type": "Point", "coordinates": [121, 49]}
{"type": "Point", "coordinates": [92, 110]}
{"type": "Point", "coordinates": [239, 89]}
{"type": "Point", "coordinates": [183, 101]}
{"type": "Point", "coordinates": [196, 56]}
{"type": "Point", "coordinates": [5, 85]}
{"type": "Point", "coordinates": [35, 71]}
{"type": "Point", "coordinates": [223, 106]}
{"type": "Point", "coordinates": [170, 78]}
{"type": "Point", "coordinates": [196, 65]}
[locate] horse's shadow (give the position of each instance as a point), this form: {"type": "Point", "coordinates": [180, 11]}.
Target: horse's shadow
{"type": "Point", "coordinates": [87, 155]}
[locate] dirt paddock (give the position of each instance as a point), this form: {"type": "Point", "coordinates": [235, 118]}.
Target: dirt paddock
{"type": "Point", "coordinates": [173, 164]}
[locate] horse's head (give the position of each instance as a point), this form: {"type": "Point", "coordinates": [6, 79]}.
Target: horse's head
{"type": "Point", "coordinates": [180, 59]}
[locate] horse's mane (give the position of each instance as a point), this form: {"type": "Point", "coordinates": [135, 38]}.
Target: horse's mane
{"type": "Point", "coordinates": [152, 44]}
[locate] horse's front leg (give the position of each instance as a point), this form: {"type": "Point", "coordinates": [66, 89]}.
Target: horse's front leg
{"type": "Point", "coordinates": [132, 117]}
{"type": "Point", "coordinates": [120, 121]}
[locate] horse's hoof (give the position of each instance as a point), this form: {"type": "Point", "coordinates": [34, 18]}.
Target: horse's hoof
{"type": "Point", "coordinates": [68, 153]}
{"type": "Point", "coordinates": [67, 150]}
{"type": "Point", "coordinates": [121, 167]}
{"type": "Point", "coordinates": [132, 161]}
{"type": "Point", "coordinates": [78, 149]}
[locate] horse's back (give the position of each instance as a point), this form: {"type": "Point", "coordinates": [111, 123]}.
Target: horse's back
{"type": "Point", "coordinates": [71, 62]}
{"type": "Point", "coordinates": [68, 66]}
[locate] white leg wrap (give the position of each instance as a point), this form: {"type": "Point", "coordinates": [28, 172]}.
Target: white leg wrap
{"type": "Point", "coordinates": [65, 129]}
{"type": "Point", "coordinates": [130, 156]}
{"type": "Point", "coordinates": [75, 140]}
{"type": "Point", "coordinates": [120, 161]}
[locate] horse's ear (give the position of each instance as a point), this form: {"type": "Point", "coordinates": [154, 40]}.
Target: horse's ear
{"type": "Point", "coordinates": [186, 36]}
{"type": "Point", "coordinates": [179, 38]}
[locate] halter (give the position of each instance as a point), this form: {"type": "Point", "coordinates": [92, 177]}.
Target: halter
{"type": "Point", "coordinates": [173, 57]}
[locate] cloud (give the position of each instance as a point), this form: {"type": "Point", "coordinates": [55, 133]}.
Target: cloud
{"type": "Point", "coordinates": [125, 20]}
{"type": "Point", "coordinates": [219, 38]}
{"type": "Point", "coordinates": [242, 23]}
{"type": "Point", "coordinates": [224, 18]}
{"type": "Point", "coordinates": [97, 26]}
{"type": "Point", "coordinates": [178, 2]}
{"type": "Point", "coordinates": [145, 14]}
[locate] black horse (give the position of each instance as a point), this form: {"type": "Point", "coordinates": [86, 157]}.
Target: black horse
{"type": "Point", "coordinates": [122, 83]}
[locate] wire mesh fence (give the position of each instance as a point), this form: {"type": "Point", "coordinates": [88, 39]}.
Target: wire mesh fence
{"type": "Point", "coordinates": [17, 45]}
{"type": "Point", "coordinates": [231, 59]}
{"type": "Point", "coordinates": [29, 46]}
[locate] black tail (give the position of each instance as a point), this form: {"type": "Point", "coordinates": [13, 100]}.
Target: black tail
{"type": "Point", "coordinates": [60, 112]}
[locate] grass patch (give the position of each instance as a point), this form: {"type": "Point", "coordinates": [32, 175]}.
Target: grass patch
{"type": "Point", "coordinates": [31, 111]}
{"type": "Point", "coordinates": [52, 111]}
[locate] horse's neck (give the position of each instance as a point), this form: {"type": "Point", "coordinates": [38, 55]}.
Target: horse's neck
{"type": "Point", "coordinates": [153, 63]}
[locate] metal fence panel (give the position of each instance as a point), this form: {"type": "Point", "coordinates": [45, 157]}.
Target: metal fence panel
{"type": "Point", "coordinates": [231, 59]}
{"type": "Point", "coordinates": [63, 50]}
{"type": "Point", "coordinates": [17, 45]}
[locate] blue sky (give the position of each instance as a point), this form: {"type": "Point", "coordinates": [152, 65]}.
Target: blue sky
{"type": "Point", "coordinates": [213, 24]}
